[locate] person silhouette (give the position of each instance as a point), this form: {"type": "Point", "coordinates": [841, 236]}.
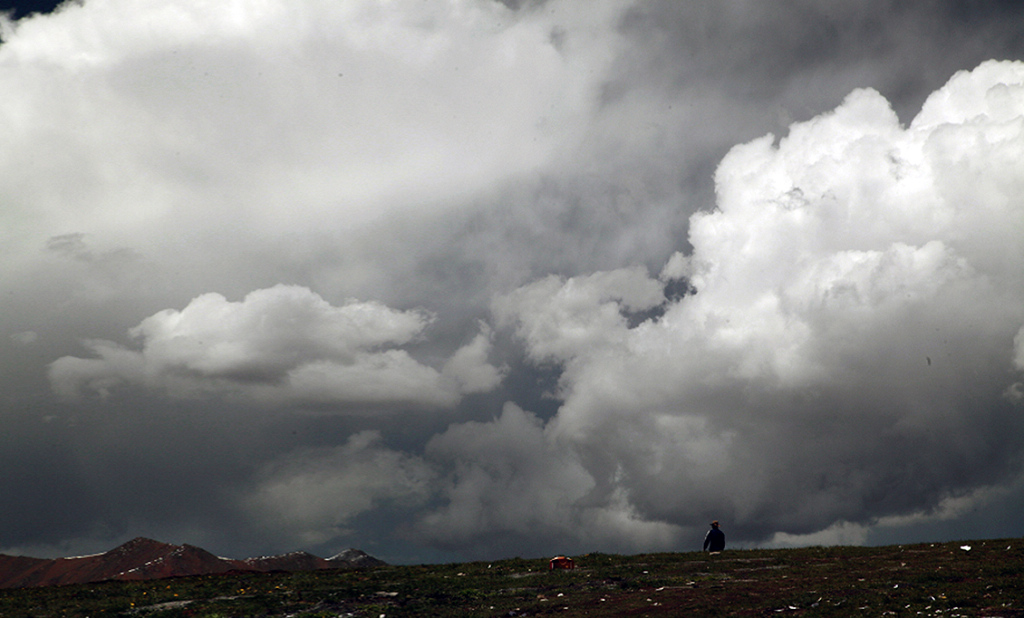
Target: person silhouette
{"type": "Point", "coordinates": [714, 540]}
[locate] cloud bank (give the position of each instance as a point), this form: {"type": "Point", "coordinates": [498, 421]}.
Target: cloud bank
{"type": "Point", "coordinates": [278, 346]}
{"type": "Point", "coordinates": [848, 351]}
{"type": "Point", "coordinates": [476, 278]}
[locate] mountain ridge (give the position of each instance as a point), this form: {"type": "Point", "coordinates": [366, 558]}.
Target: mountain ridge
{"type": "Point", "coordinates": [142, 558]}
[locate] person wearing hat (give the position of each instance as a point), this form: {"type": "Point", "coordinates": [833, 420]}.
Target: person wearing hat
{"type": "Point", "coordinates": [714, 540]}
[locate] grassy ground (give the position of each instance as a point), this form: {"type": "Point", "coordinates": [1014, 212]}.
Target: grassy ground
{"type": "Point", "coordinates": [940, 579]}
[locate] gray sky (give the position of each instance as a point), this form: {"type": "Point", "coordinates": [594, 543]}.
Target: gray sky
{"type": "Point", "coordinates": [476, 279]}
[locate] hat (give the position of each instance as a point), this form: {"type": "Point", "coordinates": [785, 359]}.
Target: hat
{"type": "Point", "coordinates": [715, 523]}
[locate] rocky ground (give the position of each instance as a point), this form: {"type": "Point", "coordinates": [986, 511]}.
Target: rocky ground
{"type": "Point", "coordinates": [970, 578]}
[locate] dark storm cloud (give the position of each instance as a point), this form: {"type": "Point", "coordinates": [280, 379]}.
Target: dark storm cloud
{"type": "Point", "coordinates": [18, 8]}
{"type": "Point", "coordinates": [758, 52]}
{"type": "Point", "coordinates": [233, 243]}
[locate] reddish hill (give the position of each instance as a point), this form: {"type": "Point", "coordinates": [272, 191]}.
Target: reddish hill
{"type": "Point", "coordinates": [143, 558]}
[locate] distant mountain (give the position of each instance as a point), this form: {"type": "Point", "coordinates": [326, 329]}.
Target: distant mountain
{"type": "Point", "coordinates": [143, 558]}
{"type": "Point", "coordinates": [295, 561]}
{"type": "Point", "coordinates": [354, 559]}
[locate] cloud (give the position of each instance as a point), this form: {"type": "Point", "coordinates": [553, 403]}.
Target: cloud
{"type": "Point", "coordinates": [851, 330]}
{"type": "Point", "coordinates": [511, 488]}
{"type": "Point", "coordinates": [561, 319]}
{"type": "Point", "coordinates": [312, 496]}
{"type": "Point", "coordinates": [277, 346]}
{"type": "Point", "coordinates": [843, 533]}
{"type": "Point", "coordinates": [336, 213]}
{"type": "Point", "coordinates": [1018, 342]}
{"type": "Point", "coordinates": [27, 337]}
{"type": "Point", "coordinates": [276, 118]}
{"type": "Point", "coordinates": [960, 511]}
{"type": "Point", "coordinates": [470, 368]}
{"type": "Point", "coordinates": [478, 488]}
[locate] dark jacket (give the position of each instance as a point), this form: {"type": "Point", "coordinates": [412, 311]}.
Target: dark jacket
{"type": "Point", "coordinates": [714, 540]}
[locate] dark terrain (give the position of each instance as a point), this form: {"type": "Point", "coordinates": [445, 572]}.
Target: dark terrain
{"type": "Point", "coordinates": [143, 559]}
{"type": "Point", "coordinates": [931, 579]}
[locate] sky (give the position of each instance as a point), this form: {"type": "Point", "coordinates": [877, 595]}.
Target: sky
{"type": "Point", "coordinates": [474, 279]}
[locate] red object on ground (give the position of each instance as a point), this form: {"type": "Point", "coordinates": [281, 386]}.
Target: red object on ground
{"type": "Point", "coordinates": [561, 562]}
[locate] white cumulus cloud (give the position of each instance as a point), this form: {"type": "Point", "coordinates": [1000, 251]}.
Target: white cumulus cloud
{"type": "Point", "coordinates": [857, 296]}
{"type": "Point", "coordinates": [281, 345]}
